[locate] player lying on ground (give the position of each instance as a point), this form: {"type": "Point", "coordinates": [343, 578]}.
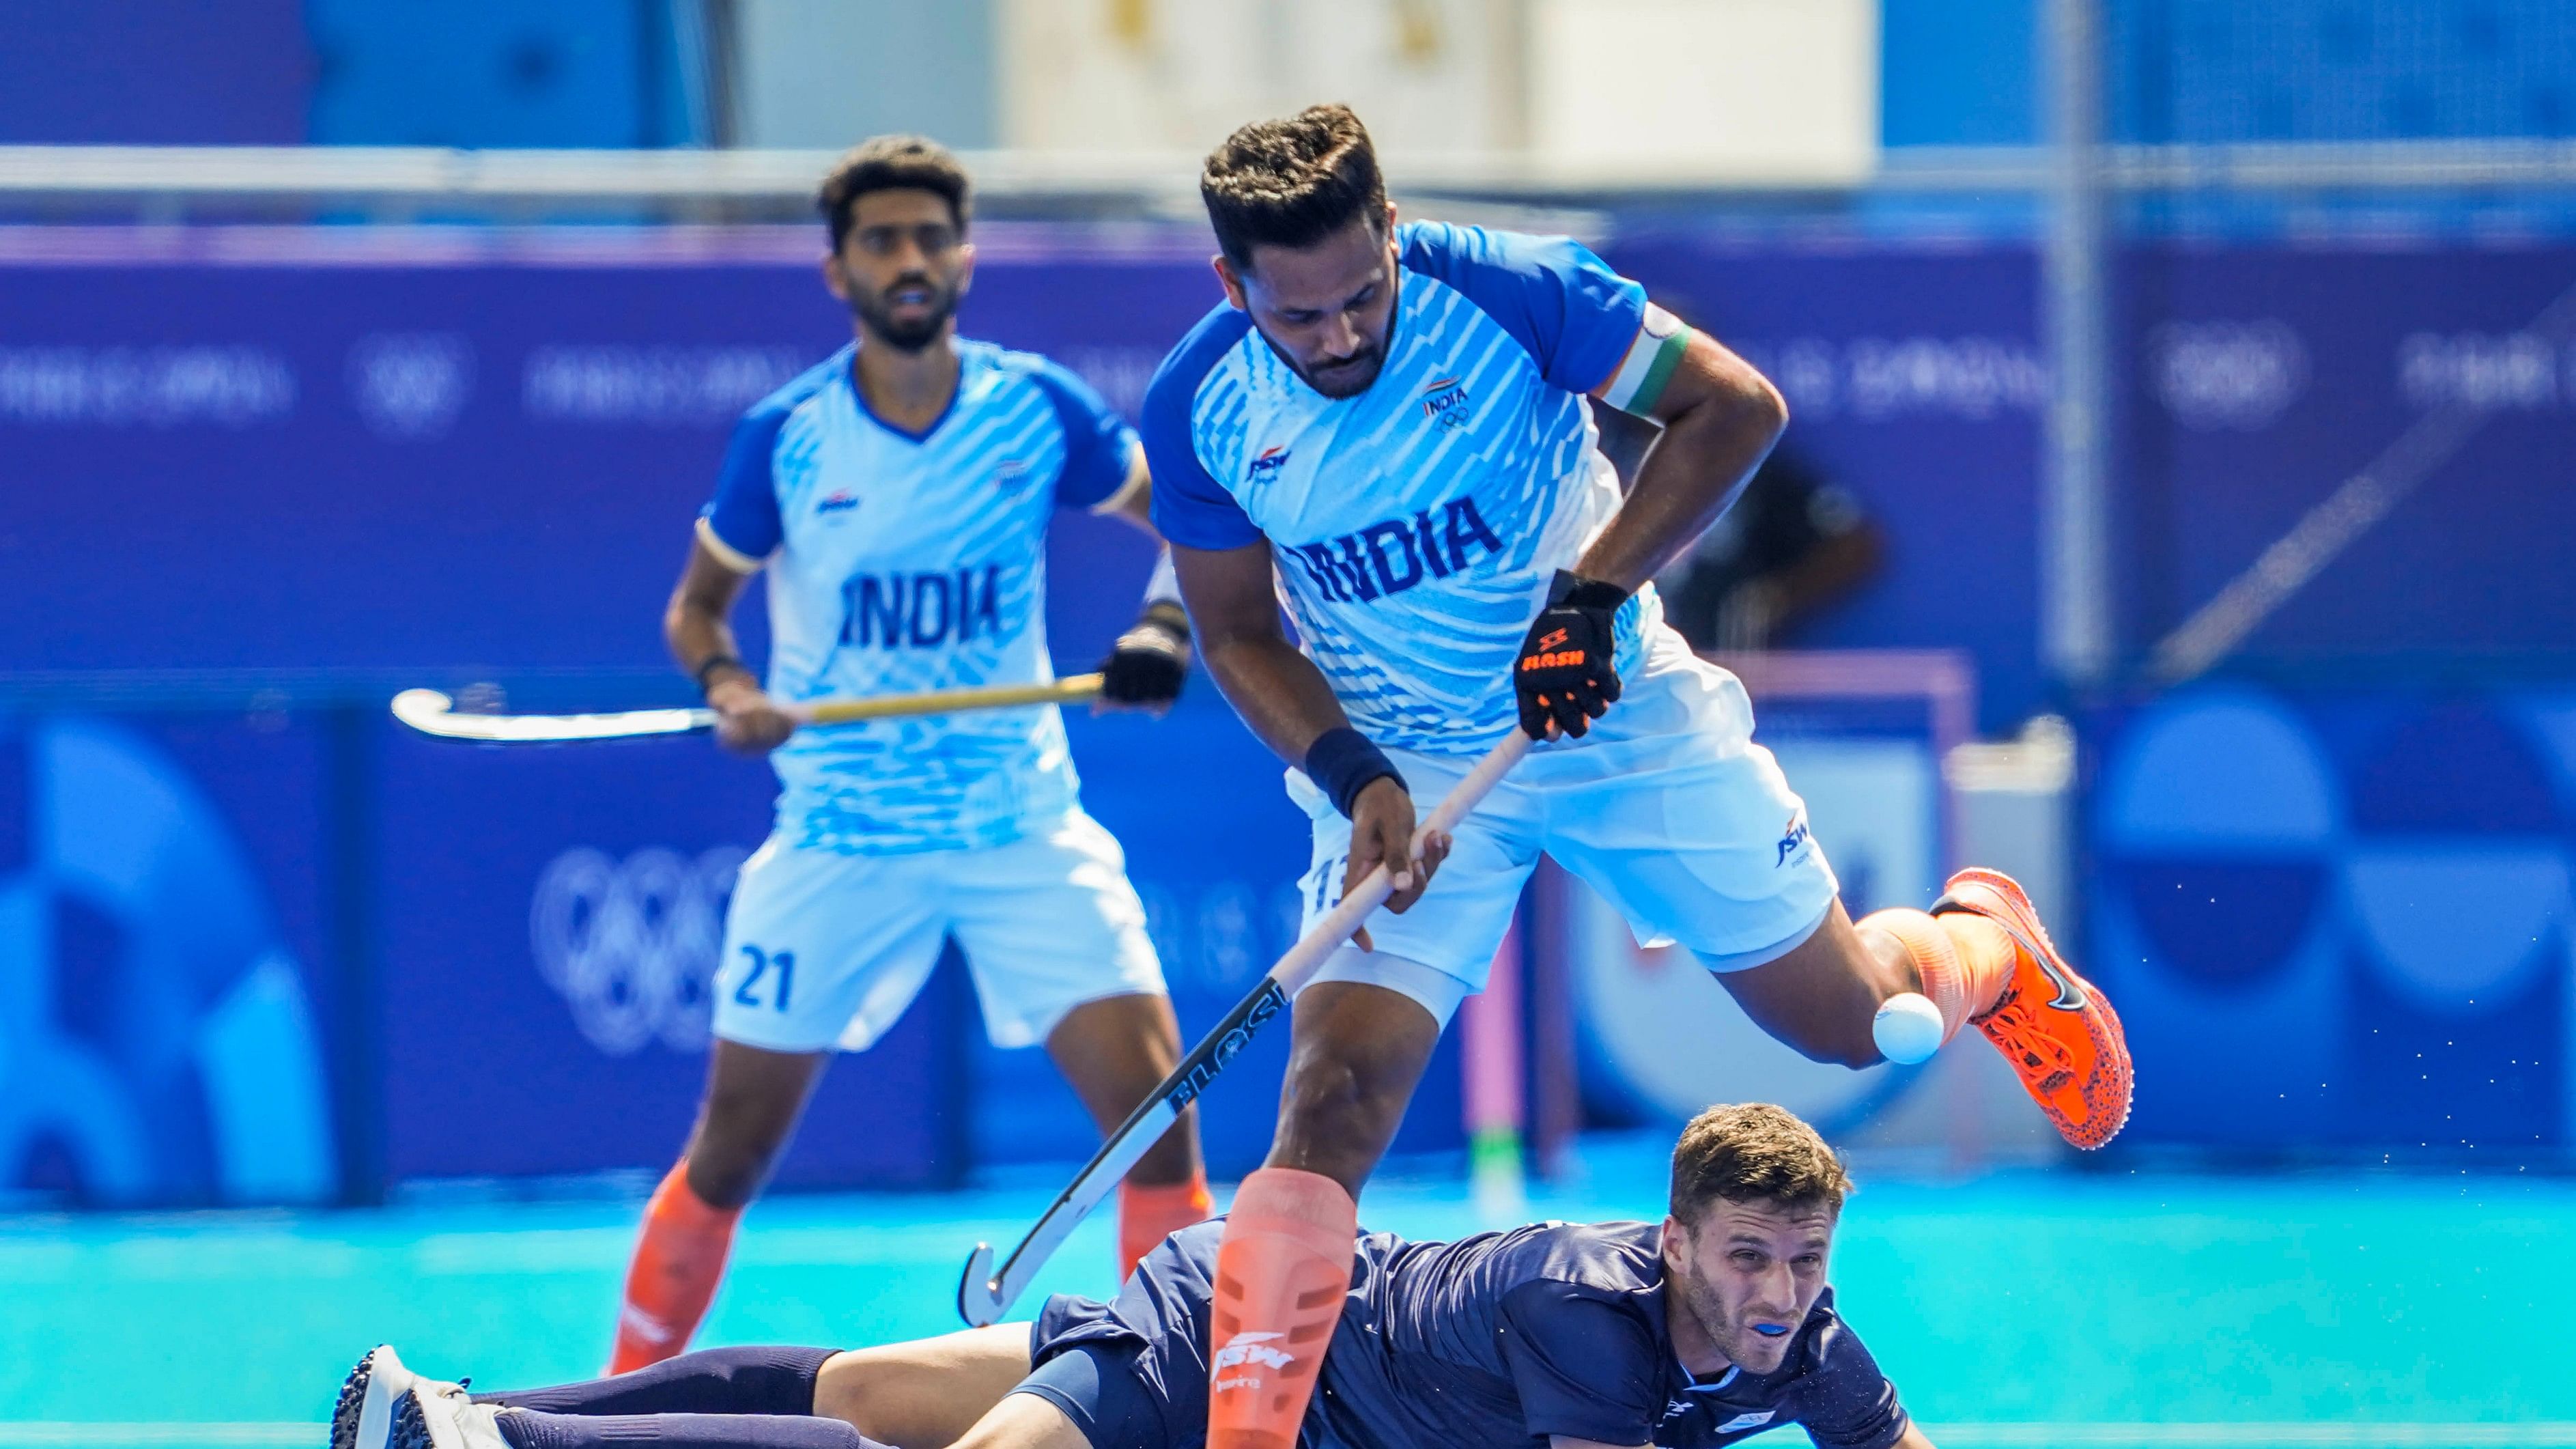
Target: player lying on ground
{"type": "Point", "coordinates": [1388, 429]}
{"type": "Point", "coordinates": [898, 496]}
{"type": "Point", "coordinates": [1711, 1326]}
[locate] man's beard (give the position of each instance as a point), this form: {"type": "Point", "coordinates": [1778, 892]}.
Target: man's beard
{"type": "Point", "coordinates": [909, 336]}
{"type": "Point", "coordinates": [1353, 377]}
{"type": "Point", "coordinates": [1704, 1306]}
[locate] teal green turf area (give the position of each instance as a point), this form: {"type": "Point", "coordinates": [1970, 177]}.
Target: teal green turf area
{"type": "Point", "coordinates": [2021, 1309]}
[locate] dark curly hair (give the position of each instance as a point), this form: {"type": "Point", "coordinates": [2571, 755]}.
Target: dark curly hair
{"type": "Point", "coordinates": [891, 163]}
{"type": "Point", "coordinates": [1291, 183]}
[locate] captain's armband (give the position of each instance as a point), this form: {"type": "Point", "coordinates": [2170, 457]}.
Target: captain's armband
{"type": "Point", "coordinates": [1639, 383]}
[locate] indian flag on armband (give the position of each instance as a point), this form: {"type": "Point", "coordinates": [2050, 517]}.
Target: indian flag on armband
{"type": "Point", "coordinates": [1640, 380]}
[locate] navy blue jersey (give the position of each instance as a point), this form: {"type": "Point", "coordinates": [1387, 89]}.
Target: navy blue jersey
{"type": "Point", "coordinates": [1501, 1338]}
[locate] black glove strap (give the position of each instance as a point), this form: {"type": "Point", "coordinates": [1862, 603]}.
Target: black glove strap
{"type": "Point", "coordinates": [720, 661]}
{"type": "Point", "coordinates": [1573, 590]}
{"type": "Point", "coordinates": [1342, 762]}
{"type": "Point", "coordinates": [1167, 616]}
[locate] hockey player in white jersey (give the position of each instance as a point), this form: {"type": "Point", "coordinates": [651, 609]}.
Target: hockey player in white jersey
{"type": "Point", "coordinates": [1388, 430]}
{"type": "Point", "coordinates": [897, 497]}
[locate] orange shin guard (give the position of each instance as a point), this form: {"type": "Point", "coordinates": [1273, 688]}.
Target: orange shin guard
{"type": "Point", "coordinates": [1281, 1272]}
{"type": "Point", "coordinates": [677, 1264]}
{"type": "Point", "coordinates": [1149, 1214]}
{"type": "Point", "coordinates": [1964, 960]}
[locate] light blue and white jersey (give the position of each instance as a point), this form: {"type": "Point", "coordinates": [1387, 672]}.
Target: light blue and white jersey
{"type": "Point", "coordinates": [901, 562]}
{"type": "Point", "coordinates": [1417, 526]}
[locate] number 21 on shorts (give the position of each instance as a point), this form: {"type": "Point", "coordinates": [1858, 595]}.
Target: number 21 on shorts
{"type": "Point", "coordinates": [776, 966]}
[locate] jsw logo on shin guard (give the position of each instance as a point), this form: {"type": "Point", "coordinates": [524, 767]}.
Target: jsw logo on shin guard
{"type": "Point", "coordinates": [1249, 1348]}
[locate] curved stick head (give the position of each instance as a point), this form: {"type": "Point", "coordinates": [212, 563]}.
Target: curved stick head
{"type": "Point", "coordinates": [422, 709]}
{"type": "Point", "coordinates": [979, 1299]}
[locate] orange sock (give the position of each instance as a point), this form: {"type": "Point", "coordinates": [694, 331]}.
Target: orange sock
{"type": "Point", "coordinates": [1964, 960]}
{"type": "Point", "coordinates": [1281, 1271]}
{"type": "Point", "coordinates": [677, 1263]}
{"type": "Point", "coordinates": [1149, 1214]}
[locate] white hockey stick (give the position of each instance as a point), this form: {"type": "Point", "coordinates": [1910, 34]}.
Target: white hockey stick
{"type": "Point", "coordinates": [984, 1294]}
{"type": "Point", "coordinates": [433, 713]}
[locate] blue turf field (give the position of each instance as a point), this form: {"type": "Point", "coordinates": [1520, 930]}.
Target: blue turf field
{"type": "Point", "coordinates": [2017, 1310]}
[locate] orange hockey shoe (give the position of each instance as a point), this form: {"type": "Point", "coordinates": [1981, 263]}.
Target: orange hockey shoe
{"type": "Point", "coordinates": [2051, 1024]}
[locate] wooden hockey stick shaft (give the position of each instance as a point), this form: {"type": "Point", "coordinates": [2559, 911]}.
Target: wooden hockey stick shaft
{"type": "Point", "coordinates": [1072, 690]}
{"type": "Point", "coordinates": [433, 713]}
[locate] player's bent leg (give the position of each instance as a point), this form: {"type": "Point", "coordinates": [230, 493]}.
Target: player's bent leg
{"type": "Point", "coordinates": [1820, 996]}
{"type": "Point", "coordinates": [925, 1394]}
{"type": "Point", "coordinates": [385, 1406]}
{"type": "Point", "coordinates": [1357, 1050]}
{"type": "Point", "coordinates": [753, 1099]}
{"type": "Point", "coordinates": [748, 1380]}
{"type": "Point", "coordinates": [1026, 1421]}
{"type": "Point", "coordinates": [1282, 1271]}
{"type": "Point", "coordinates": [1115, 1051]}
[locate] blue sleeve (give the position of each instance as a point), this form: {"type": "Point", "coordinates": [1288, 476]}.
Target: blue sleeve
{"type": "Point", "coordinates": [744, 512]}
{"type": "Point", "coordinates": [1097, 442]}
{"type": "Point", "coordinates": [1575, 316]}
{"type": "Point", "coordinates": [1191, 508]}
{"type": "Point", "coordinates": [1581, 1365]}
{"type": "Point", "coordinates": [1843, 1401]}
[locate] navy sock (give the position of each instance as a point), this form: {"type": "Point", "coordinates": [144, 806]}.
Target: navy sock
{"type": "Point", "coordinates": [530, 1430]}
{"type": "Point", "coordinates": [710, 1381]}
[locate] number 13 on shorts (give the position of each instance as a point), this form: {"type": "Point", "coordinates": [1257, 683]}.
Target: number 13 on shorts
{"type": "Point", "coordinates": [764, 978]}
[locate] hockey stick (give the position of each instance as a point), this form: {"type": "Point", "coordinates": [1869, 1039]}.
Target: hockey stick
{"type": "Point", "coordinates": [985, 1294]}
{"type": "Point", "coordinates": [433, 713]}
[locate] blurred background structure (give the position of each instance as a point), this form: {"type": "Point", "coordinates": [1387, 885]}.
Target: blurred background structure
{"type": "Point", "coordinates": [2177, 513]}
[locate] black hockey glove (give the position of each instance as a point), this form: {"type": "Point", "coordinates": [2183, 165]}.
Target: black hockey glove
{"type": "Point", "coordinates": [1145, 668]}
{"type": "Point", "coordinates": [1565, 672]}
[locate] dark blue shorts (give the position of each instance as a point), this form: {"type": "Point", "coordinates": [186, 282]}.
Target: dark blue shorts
{"type": "Point", "coordinates": [1132, 1373]}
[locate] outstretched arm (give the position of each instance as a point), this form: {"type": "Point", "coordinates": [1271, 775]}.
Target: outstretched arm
{"type": "Point", "coordinates": [1720, 418]}
{"type": "Point", "coordinates": [1286, 701]}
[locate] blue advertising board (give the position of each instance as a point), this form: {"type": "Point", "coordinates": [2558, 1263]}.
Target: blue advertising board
{"type": "Point", "coordinates": [2341, 917]}
{"type": "Point", "coordinates": [170, 990]}
{"type": "Point", "coordinates": [1915, 381]}
{"type": "Point", "coordinates": [547, 922]}
{"type": "Point", "coordinates": [2262, 378]}
{"type": "Point", "coordinates": [435, 451]}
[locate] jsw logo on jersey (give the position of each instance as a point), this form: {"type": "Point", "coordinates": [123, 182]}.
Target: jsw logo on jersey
{"type": "Point", "coordinates": [1270, 461]}
{"type": "Point", "coordinates": [921, 610]}
{"type": "Point", "coordinates": [1398, 554]}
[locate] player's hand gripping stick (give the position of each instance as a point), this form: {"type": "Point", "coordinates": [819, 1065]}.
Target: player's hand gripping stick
{"type": "Point", "coordinates": [986, 1293]}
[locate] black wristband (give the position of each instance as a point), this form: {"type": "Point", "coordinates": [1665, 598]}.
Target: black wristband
{"type": "Point", "coordinates": [1168, 616]}
{"type": "Point", "coordinates": [720, 661]}
{"type": "Point", "coordinates": [1569, 587]}
{"type": "Point", "coordinates": [1342, 762]}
